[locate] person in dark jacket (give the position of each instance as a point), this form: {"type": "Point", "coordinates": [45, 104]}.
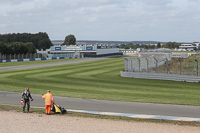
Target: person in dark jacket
{"type": "Point", "coordinates": [26, 95]}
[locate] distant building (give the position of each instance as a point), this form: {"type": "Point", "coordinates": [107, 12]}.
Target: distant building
{"type": "Point", "coordinates": [140, 49]}
{"type": "Point", "coordinates": [189, 46]}
{"type": "Point", "coordinates": [85, 49]}
{"type": "Point", "coordinates": [197, 44]}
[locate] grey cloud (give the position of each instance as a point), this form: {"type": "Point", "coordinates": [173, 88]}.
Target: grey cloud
{"type": "Point", "coordinates": [14, 2]}
{"type": "Point", "coordinates": [102, 19]}
{"type": "Point", "coordinates": [156, 2]}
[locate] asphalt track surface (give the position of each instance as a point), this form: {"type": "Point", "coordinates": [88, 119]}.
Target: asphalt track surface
{"type": "Point", "coordinates": [48, 64]}
{"type": "Point", "coordinates": [13, 98]}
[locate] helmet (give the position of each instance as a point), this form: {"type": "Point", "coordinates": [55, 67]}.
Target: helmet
{"type": "Point", "coordinates": [22, 101]}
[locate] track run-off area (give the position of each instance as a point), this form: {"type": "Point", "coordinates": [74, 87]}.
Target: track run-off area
{"type": "Point", "coordinates": [88, 79]}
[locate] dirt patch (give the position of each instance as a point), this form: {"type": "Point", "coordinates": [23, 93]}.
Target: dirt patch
{"type": "Point", "coordinates": [12, 121]}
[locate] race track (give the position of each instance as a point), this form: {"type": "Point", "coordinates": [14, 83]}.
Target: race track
{"type": "Point", "coordinates": [13, 98]}
{"type": "Point", "coordinates": [48, 64]}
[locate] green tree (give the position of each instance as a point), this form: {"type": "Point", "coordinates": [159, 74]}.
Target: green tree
{"type": "Point", "coordinates": [37, 39]}
{"type": "Point", "coordinates": [70, 40]}
{"type": "Point", "coordinates": [3, 48]}
{"type": "Point", "coordinates": [146, 46]}
{"type": "Point", "coordinates": [122, 46]}
{"type": "Point", "coordinates": [158, 45]}
{"type": "Point", "coordinates": [31, 48]}
{"type": "Point", "coordinates": [172, 45]}
{"type": "Point", "coordinates": [43, 44]}
{"type": "Point", "coordinates": [17, 48]}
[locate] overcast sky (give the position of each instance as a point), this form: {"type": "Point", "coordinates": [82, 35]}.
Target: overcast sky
{"type": "Point", "coordinates": [116, 20]}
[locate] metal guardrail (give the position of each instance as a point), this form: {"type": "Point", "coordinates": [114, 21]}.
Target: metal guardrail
{"type": "Point", "coordinates": [161, 76]}
{"type": "Point", "coordinates": [180, 55]}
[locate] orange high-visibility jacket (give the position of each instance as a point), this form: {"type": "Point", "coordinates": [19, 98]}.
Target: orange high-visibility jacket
{"type": "Point", "coordinates": [48, 98]}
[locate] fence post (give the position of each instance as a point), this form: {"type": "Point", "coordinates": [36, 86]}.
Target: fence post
{"type": "Point", "coordinates": [126, 64]}
{"type": "Point", "coordinates": [167, 66]}
{"type": "Point", "coordinates": [147, 65]}
{"type": "Point", "coordinates": [197, 67]}
{"type": "Point", "coordinates": [139, 63]}
{"type": "Point", "coordinates": [133, 70]}
{"type": "Point", "coordinates": [180, 60]}
{"type": "Point", "coordinates": [129, 64]}
{"type": "Point", "coordinates": [156, 64]}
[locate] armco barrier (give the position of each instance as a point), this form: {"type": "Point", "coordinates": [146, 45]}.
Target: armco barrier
{"type": "Point", "coordinates": [34, 59]}
{"type": "Point", "coordinates": [102, 55]}
{"type": "Point", "coordinates": [130, 51]}
{"type": "Point", "coordinates": [161, 76]}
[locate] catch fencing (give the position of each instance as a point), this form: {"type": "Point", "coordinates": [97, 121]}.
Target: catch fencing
{"type": "Point", "coordinates": [178, 68]}
{"type": "Point", "coordinates": [133, 64]}
{"type": "Point", "coordinates": [22, 56]}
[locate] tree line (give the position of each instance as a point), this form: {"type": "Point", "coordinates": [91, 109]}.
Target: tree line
{"type": "Point", "coordinates": [13, 41]}
{"type": "Point", "coordinates": [135, 46]}
{"type": "Point", "coordinates": [17, 48]}
{"type": "Point", "coordinates": [170, 45]}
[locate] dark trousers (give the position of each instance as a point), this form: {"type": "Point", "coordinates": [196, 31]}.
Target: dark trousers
{"type": "Point", "coordinates": [28, 105]}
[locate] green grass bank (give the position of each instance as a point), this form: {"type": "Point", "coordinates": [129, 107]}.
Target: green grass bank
{"type": "Point", "coordinates": [99, 80]}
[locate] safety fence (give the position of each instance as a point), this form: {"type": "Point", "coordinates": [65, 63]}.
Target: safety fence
{"type": "Point", "coordinates": [178, 68]}
{"type": "Point", "coordinates": [35, 59]}
{"type": "Point", "coordinates": [133, 64]}
{"type": "Point", "coordinates": [21, 56]}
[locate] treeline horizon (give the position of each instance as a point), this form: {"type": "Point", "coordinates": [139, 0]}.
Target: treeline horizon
{"type": "Point", "coordinates": [25, 42]}
{"type": "Point", "coordinates": [170, 45]}
{"type": "Point", "coordinates": [17, 48]}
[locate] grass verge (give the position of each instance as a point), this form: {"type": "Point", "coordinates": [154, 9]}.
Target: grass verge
{"type": "Point", "coordinates": [99, 80]}
{"type": "Point", "coordinates": [75, 114]}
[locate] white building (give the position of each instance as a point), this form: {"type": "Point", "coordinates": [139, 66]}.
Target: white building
{"type": "Point", "coordinates": [197, 44]}
{"type": "Point", "coordinates": [86, 50]}
{"type": "Point", "coordinates": [140, 49]}
{"type": "Point", "coordinates": [190, 46]}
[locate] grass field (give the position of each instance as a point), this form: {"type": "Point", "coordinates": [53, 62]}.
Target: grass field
{"type": "Point", "coordinates": [99, 80]}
